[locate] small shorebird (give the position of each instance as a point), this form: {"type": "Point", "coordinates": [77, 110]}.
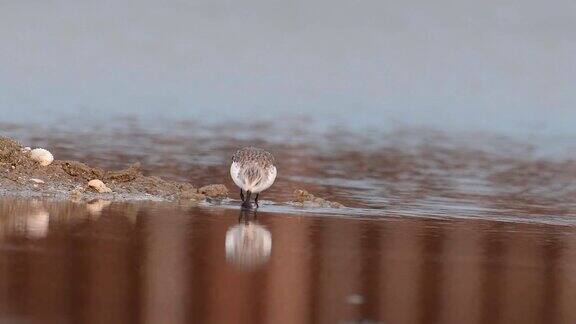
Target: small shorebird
{"type": "Point", "coordinates": [253, 171]}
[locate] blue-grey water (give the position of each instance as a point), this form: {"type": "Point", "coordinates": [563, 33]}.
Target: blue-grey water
{"type": "Point", "coordinates": [477, 66]}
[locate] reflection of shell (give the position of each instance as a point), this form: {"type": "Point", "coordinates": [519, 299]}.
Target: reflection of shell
{"type": "Point", "coordinates": [248, 245]}
{"type": "Point", "coordinates": [95, 207]}
{"type": "Point", "coordinates": [37, 224]}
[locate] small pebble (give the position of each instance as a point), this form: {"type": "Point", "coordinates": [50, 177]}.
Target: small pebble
{"type": "Point", "coordinates": [99, 186]}
{"type": "Point", "coordinates": [37, 181]}
{"type": "Point", "coordinates": [335, 204]}
{"type": "Point", "coordinates": [305, 199]}
{"type": "Point", "coordinates": [42, 156]}
{"type": "Point", "coordinates": [214, 191]}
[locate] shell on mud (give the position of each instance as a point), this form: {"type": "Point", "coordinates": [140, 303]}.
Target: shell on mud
{"type": "Point", "coordinates": [42, 156]}
{"type": "Point", "coordinates": [99, 186]}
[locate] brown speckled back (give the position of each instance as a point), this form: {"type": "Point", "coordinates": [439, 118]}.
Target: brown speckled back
{"type": "Point", "coordinates": [252, 155]}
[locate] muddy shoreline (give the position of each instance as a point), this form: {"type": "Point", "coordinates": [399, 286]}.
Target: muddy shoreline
{"type": "Point", "coordinates": [22, 176]}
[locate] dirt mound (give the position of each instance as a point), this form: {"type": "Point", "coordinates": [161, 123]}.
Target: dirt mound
{"type": "Point", "coordinates": [126, 175]}
{"type": "Point", "coordinates": [19, 174]}
{"type": "Point", "coordinates": [13, 156]}
{"type": "Point", "coordinates": [305, 199]}
{"type": "Point", "coordinates": [81, 171]}
{"type": "Point", "coordinates": [214, 191]}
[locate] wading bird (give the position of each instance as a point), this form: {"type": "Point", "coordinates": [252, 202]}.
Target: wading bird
{"type": "Point", "coordinates": [253, 171]}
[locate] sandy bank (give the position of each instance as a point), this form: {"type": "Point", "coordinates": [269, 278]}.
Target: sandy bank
{"type": "Point", "coordinates": [21, 175]}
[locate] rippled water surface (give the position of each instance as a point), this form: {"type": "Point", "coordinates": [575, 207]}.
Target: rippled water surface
{"type": "Point", "coordinates": [376, 173]}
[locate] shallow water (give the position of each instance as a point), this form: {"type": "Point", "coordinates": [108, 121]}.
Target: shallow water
{"type": "Point", "coordinates": [64, 262]}
{"type": "Point", "coordinates": [406, 172]}
{"type": "Point", "coordinates": [438, 228]}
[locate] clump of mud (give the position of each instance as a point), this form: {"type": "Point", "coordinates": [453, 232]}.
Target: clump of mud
{"type": "Point", "coordinates": [12, 155]}
{"type": "Point", "coordinates": [214, 191]}
{"type": "Point", "coordinates": [21, 175]}
{"type": "Point", "coordinates": [305, 199]}
{"type": "Point", "coordinates": [81, 171]}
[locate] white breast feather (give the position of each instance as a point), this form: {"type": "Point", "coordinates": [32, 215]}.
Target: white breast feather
{"type": "Point", "coordinates": [235, 173]}
{"type": "Point", "coordinates": [263, 185]}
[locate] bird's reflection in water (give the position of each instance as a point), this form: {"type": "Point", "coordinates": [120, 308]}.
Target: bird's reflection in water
{"type": "Point", "coordinates": [248, 244]}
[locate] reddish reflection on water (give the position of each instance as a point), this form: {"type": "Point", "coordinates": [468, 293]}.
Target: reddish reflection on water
{"type": "Point", "coordinates": [163, 263]}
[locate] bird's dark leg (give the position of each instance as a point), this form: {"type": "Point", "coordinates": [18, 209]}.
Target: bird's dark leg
{"type": "Point", "coordinates": [244, 215]}
{"type": "Point", "coordinates": [242, 195]}
{"type": "Point", "coordinates": [256, 200]}
{"type": "Point", "coordinates": [247, 204]}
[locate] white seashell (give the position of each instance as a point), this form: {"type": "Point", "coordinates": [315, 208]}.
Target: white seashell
{"type": "Point", "coordinates": [99, 186]}
{"type": "Point", "coordinates": [42, 156]}
{"type": "Point", "coordinates": [39, 181]}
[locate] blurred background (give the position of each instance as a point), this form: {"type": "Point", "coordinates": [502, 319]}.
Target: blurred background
{"type": "Point", "coordinates": [503, 66]}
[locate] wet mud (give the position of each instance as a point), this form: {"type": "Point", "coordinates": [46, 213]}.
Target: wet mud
{"type": "Point", "coordinates": [305, 199]}
{"type": "Point", "coordinates": [22, 176]}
